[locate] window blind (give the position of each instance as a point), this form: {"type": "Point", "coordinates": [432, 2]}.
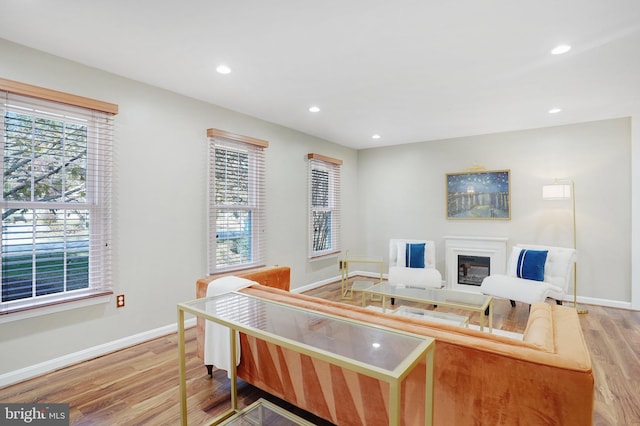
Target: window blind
{"type": "Point", "coordinates": [56, 199]}
{"type": "Point", "coordinates": [237, 203]}
{"type": "Point", "coordinates": [324, 205]}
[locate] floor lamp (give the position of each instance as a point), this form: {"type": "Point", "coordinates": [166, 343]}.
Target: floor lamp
{"type": "Point", "coordinates": [564, 190]}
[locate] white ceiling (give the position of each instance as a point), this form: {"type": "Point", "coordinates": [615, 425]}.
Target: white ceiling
{"type": "Point", "coordinates": [408, 70]}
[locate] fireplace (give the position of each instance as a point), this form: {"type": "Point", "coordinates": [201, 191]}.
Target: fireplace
{"type": "Point", "coordinates": [473, 269]}
{"type": "Point", "coordinates": [469, 260]}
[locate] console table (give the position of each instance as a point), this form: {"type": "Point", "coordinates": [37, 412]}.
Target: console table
{"type": "Point", "coordinates": [347, 292]}
{"type": "Point", "coordinates": [385, 354]}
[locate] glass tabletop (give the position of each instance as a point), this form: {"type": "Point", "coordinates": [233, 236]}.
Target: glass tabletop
{"type": "Point", "coordinates": [355, 341]}
{"type": "Point", "coordinates": [435, 295]}
{"type": "Point", "coordinates": [262, 412]}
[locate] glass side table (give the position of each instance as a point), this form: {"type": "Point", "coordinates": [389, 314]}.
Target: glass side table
{"type": "Point", "coordinates": [347, 291]}
{"type": "Point", "coordinates": [263, 412]}
{"type": "Point", "coordinates": [385, 354]}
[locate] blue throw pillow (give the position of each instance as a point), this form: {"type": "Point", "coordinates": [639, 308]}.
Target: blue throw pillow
{"type": "Point", "coordinates": [531, 264]}
{"type": "Point", "coordinates": [414, 255]}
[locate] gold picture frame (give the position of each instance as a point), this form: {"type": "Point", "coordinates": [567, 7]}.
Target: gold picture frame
{"type": "Point", "coordinates": [483, 195]}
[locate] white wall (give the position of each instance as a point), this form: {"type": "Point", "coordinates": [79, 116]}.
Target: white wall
{"type": "Point", "coordinates": [159, 208]}
{"type": "Point", "coordinates": [160, 213]}
{"type": "Point", "coordinates": [403, 195]}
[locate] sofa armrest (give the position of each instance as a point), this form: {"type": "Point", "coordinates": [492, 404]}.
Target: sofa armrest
{"type": "Point", "coordinates": [270, 276]}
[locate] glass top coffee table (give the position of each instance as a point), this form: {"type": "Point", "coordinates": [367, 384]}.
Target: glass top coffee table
{"type": "Point", "coordinates": [442, 317]}
{"type": "Point", "coordinates": [474, 302]}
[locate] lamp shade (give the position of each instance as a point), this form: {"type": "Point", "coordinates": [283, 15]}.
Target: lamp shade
{"type": "Point", "coordinates": [556, 191]}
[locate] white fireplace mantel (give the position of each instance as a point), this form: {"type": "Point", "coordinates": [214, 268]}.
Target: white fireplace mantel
{"type": "Point", "coordinates": [494, 248]}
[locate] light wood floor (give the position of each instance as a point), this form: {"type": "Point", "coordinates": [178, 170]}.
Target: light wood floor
{"type": "Point", "coordinates": [139, 385]}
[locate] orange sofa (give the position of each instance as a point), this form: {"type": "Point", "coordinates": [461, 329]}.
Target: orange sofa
{"type": "Point", "coordinates": [479, 379]}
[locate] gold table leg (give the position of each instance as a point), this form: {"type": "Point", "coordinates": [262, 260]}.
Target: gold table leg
{"type": "Point", "coordinates": [183, 368]}
{"type": "Point", "coordinates": [491, 316]}
{"type": "Point", "coordinates": [232, 370]}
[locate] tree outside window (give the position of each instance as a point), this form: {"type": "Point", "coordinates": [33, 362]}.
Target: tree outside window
{"type": "Point", "coordinates": [320, 210]}
{"type": "Point", "coordinates": [53, 201]}
{"type": "Point", "coordinates": [233, 216]}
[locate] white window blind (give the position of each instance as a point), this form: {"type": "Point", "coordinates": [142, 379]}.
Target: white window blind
{"type": "Point", "coordinates": [56, 200]}
{"type": "Point", "coordinates": [237, 203]}
{"type": "Point", "coordinates": [324, 205]}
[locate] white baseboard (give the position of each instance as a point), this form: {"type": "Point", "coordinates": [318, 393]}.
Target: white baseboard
{"type": "Point", "coordinates": [315, 285]}
{"type": "Point", "coordinates": [87, 354]}
{"type": "Point", "coordinates": [600, 302]}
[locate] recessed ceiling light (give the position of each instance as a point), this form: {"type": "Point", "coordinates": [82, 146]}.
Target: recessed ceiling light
{"type": "Point", "coordinates": [560, 49]}
{"type": "Point", "coordinates": [554, 110]}
{"type": "Point", "coordinates": [314, 109]}
{"type": "Point", "coordinates": [376, 136]}
{"type": "Point", "coordinates": [223, 69]}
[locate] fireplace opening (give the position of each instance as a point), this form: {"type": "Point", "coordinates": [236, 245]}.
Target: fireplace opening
{"type": "Point", "coordinates": [473, 269]}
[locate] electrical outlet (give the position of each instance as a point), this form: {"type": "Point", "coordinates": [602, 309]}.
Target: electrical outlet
{"type": "Point", "coordinates": [120, 301]}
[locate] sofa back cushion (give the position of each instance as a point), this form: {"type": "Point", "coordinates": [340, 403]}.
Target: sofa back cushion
{"type": "Point", "coordinates": [539, 331]}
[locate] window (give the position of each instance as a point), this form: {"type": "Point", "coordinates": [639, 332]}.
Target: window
{"type": "Point", "coordinates": [324, 205]}
{"type": "Point", "coordinates": [56, 181]}
{"type": "Point", "coordinates": [236, 201]}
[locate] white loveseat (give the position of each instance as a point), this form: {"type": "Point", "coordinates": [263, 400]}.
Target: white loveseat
{"type": "Point", "coordinates": [558, 276]}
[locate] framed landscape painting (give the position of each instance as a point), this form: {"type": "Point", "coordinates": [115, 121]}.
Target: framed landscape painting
{"type": "Point", "coordinates": [479, 195]}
